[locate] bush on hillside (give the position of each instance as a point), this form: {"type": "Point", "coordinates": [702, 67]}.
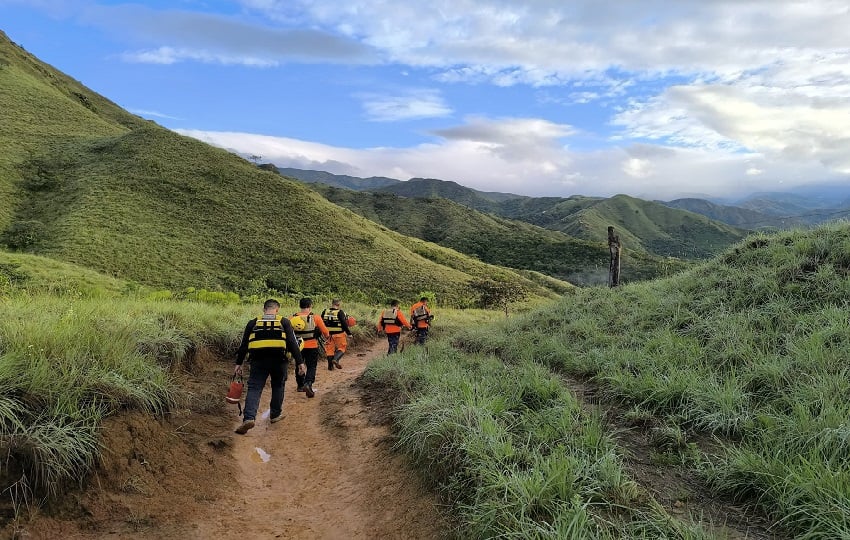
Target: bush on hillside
{"type": "Point", "coordinates": [23, 234]}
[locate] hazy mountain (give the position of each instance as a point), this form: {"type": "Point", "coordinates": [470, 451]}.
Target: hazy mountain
{"type": "Point", "coordinates": [734, 215]}
{"type": "Point", "coordinates": [432, 187]}
{"type": "Point", "coordinates": [808, 209]}
{"type": "Point", "coordinates": [83, 181]}
{"type": "Point", "coordinates": [336, 180]}
{"type": "Point", "coordinates": [642, 225]}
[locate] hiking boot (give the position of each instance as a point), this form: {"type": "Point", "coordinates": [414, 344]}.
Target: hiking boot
{"type": "Point", "coordinates": [308, 389]}
{"type": "Point", "coordinates": [276, 419]}
{"type": "Point", "coordinates": [331, 365]}
{"type": "Point", "coordinates": [301, 388]}
{"type": "Point", "coordinates": [246, 425]}
{"type": "Point", "coordinates": [337, 364]}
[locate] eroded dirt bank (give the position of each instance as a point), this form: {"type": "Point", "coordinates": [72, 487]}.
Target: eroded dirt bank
{"type": "Point", "coordinates": [324, 471]}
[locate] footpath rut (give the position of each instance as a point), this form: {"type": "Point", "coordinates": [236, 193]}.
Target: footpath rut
{"type": "Point", "coordinates": [324, 471]}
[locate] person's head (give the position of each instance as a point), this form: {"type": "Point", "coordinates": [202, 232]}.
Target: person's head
{"type": "Point", "coordinates": [335, 303]}
{"type": "Point", "coordinates": [424, 299]}
{"type": "Point", "coordinates": [271, 306]}
{"type": "Point", "coordinates": [393, 303]}
{"type": "Point", "coordinates": [305, 303]}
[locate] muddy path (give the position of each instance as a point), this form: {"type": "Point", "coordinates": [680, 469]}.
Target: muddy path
{"type": "Point", "coordinates": [327, 470]}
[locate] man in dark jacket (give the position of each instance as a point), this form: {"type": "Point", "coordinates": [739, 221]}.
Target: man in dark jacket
{"type": "Point", "coordinates": [270, 342]}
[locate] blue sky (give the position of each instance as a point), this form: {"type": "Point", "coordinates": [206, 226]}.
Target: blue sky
{"type": "Point", "coordinates": [652, 98]}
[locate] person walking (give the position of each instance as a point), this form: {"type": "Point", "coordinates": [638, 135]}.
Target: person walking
{"type": "Point", "coordinates": [336, 322]}
{"type": "Point", "coordinates": [391, 322]}
{"type": "Point", "coordinates": [420, 318]}
{"type": "Point", "coordinates": [268, 341]}
{"type": "Point", "coordinates": [309, 332]}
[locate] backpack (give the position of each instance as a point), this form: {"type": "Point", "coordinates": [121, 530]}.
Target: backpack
{"type": "Point", "coordinates": [385, 320]}
{"type": "Point", "coordinates": [420, 313]}
{"type": "Point", "coordinates": [267, 334]}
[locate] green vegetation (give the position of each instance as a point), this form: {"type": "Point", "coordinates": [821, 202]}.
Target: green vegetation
{"type": "Point", "coordinates": [512, 451]}
{"type": "Point", "coordinates": [88, 183]}
{"type": "Point", "coordinates": [498, 240]}
{"type": "Point", "coordinates": [642, 225]}
{"type": "Point", "coordinates": [751, 347]}
{"type": "Point", "coordinates": [62, 370]}
{"type": "Point", "coordinates": [76, 348]}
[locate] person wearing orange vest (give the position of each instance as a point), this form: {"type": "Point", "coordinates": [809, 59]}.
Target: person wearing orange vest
{"type": "Point", "coordinates": [336, 322]}
{"type": "Point", "coordinates": [391, 322]}
{"type": "Point", "coordinates": [420, 318]}
{"type": "Point", "coordinates": [313, 327]}
{"type": "Point", "coordinates": [268, 341]}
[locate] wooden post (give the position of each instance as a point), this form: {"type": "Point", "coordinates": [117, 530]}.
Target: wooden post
{"type": "Point", "coordinates": [614, 266]}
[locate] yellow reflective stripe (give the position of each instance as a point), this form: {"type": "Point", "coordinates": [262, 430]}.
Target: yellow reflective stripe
{"type": "Point", "coordinates": [267, 343]}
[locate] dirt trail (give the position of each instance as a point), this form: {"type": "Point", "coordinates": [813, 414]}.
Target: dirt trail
{"type": "Point", "coordinates": [327, 470]}
{"type": "Point", "coordinates": [324, 471]}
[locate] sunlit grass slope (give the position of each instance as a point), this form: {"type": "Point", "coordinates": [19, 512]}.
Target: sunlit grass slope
{"type": "Point", "coordinates": [88, 183]}
{"type": "Point", "coordinates": [751, 347]}
{"type": "Point", "coordinates": [39, 105]}
{"type": "Point", "coordinates": [497, 240]}
{"type": "Point", "coordinates": [642, 225]}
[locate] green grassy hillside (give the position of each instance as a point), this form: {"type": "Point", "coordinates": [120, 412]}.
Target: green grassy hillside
{"type": "Point", "coordinates": [87, 183]}
{"type": "Point", "coordinates": [497, 240]}
{"type": "Point", "coordinates": [652, 227]}
{"type": "Point", "coordinates": [735, 215]}
{"type": "Point", "coordinates": [642, 225]}
{"type": "Point", "coordinates": [33, 274]}
{"type": "Point", "coordinates": [433, 187]}
{"type": "Point", "coordinates": [41, 106]}
{"type": "Point", "coordinates": [735, 372]}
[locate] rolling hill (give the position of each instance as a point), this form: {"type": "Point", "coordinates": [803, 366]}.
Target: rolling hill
{"type": "Point", "coordinates": [84, 181]}
{"type": "Point", "coordinates": [642, 225]}
{"type": "Point", "coordinates": [735, 215]}
{"type": "Point", "coordinates": [498, 240]}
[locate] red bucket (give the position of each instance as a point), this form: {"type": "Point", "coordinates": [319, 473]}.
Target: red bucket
{"type": "Point", "coordinates": [234, 393]}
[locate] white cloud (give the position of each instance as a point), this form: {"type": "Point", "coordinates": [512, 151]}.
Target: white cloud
{"type": "Point", "coordinates": [170, 55]}
{"type": "Point", "coordinates": [721, 94]}
{"type": "Point", "coordinates": [525, 156]}
{"type": "Point", "coordinates": [413, 104]}
{"type": "Point", "coordinates": [155, 114]}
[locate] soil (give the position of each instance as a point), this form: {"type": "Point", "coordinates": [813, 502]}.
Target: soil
{"type": "Point", "coordinates": [327, 470]}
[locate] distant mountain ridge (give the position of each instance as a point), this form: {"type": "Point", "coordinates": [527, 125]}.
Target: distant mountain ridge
{"type": "Point", "coordinates": [738, 216]}
{"type": "Point", "coordinates": [642, 225]}
{"type": "Point", "coordinates": [498, 240]}
{"type": "Point", "coordinates": [337, 180]}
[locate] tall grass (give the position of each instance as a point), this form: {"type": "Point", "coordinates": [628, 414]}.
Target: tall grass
{"type": "Point", "coordinates": [751, 347]}
{"type": "Point", "coordinates": [512, 451]}
{"type": "Point", "coordinates": [66, 363]}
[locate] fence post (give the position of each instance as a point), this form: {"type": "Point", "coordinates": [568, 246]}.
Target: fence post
{"type": "Point", "coordinates": [614, 266]}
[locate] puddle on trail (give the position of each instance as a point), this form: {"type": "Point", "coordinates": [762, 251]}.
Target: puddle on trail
{"type": "Point", "coordinates": [260, 456]}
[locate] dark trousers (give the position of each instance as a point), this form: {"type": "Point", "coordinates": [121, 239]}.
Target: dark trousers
{"type": "Point", "coordinates": [262, 369]}
{"type": "Point", "coordinates": [311, 358]}
{"type": "Point", "coordinates": [392, 341]}
{"type": "Point", "coordinates": [421, 334]}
